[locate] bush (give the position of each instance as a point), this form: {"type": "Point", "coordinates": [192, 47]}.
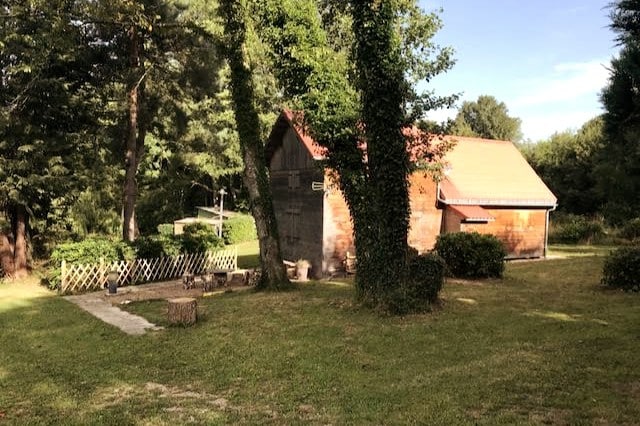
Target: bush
{"type": "Point", "coordinates": [199, 237]}
{"type": "Point", "coordinates": [471, 255]}
{"type": "Point", "coordinates": [622, 269]}
{"type": "Point", "coordinates": [631, 229]}
{"type": "Point", "coordinates": [90, 250]}
{"type": "Point", "coordinates": [426, 277]}
{"type": "Point", "coordinates": [422, 286]}
{"type": "Point", "coordinates": [239, 229]}
{"type": "Point", "coordinates": [165, 229]}
{"type": "Point", "coordinates": [573, 229]}
{"type": "Point", "coordinates": [157, 246]}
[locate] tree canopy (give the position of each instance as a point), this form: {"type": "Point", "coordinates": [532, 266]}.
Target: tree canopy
{"type": "Point", "coordinates": [620, 166]}
{"type": "Point", "coordinates": [486, 118]}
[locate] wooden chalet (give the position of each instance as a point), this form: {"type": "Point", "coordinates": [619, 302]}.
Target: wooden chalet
{"type": "Point", "coordinates": [488, 187]}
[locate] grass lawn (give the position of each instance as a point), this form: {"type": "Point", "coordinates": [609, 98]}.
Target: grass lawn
{"type": "Point", "coordinates": [546, 345]}
{"type": "Point", "coordinates": [248, 254]}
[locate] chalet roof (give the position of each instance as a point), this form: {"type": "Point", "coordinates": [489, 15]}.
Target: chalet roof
{"type": "Point", "coordinates": [491, 173]}
{"type": "Point", "coordinates": [481, 172]}
{"type": "Point", "coordinates": [289, 119]}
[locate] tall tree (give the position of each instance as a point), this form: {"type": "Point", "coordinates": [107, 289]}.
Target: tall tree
{"type": "Point", "coordinates": [382, 85]}
{"type": "Point", "coordinates": [46, 108]}
{"type": "Point", "coordinates": [568, 164]}
{"type": "Point", "coordinates": [164, 65]}
{"type": "Point", "coordinates": [620, 163]}
{"type": "Point", "coordinates": [486, 118]}
{"type": "Point", "coordinates": [341, 98]}
{"type": "Point", "coordinates": [235, 16]}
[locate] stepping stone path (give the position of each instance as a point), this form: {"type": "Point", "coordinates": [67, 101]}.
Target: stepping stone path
{"type": "Point", "coordinates": [98, 307]}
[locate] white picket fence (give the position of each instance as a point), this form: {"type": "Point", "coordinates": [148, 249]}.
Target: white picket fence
{"type": "Point", "coordinates": [79, 278]}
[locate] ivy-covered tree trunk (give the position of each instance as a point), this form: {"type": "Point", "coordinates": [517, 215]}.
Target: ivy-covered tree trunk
{"type": "Point", "coordinates": [255, 176]}
{"type": "Point", "coordinates": [134, 143]}
{"type": "Point", "coordinates": [382, 270]}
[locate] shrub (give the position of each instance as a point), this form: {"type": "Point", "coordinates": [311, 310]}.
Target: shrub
{"type": "Point", "coordinates": [426, 276]}
{"type": "Point", "coordinates": [622, 269]}
{"type": "Point", "coordinates": [165, 229]}
{"type": "Point", "coordinates": [631, 229]}
{"type": "Point", "coordinates": [471, 255]}
{"type": "Point", "coordinates": [422, 286]}
{"type": "Point", "coordinates": [90, 250]}
{"type": "Point", "coordinates": [239, 229]}
{"type": "Point", "coordinates": [199, 237]}
{"type": "Point", "coordinates": [573, 229]}
{"type": "Point", "coordinates": [157, 246]}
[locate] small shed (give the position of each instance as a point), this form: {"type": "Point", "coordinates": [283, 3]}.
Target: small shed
{"type": "Point", "coordinates": [206, 215]}
{"type": "Point", "coordinates": [488, 187]}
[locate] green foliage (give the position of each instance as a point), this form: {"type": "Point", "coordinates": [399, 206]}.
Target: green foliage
{"type": "Point", "coordinates": [486, 118]}
{"type": "Point", "coordinates": [239, 229]}
{"type": "Point", "coordinates": [88, 251]}
{"type": "Point", "coordinates": [573, 229]}
{"type": "Point", "coordinates": [92, 250]}
{"type": "Point", "coordinates": [569, 164]}
{"type": "Point", "coordinates": [165, 229]}
{"type": "Point", "coordinates": [631, 229]}
{"type": "Point", "coordinates": [199, 237]}
{"type": "Point", "coordinates": [622, 269]}
{"type": "Point", "coordinates": [471, 255]}
{"type": "Point", "coordinates": [422, 286]}
{"type": "Point", "coordinates": [618, 165]}
{"type": "Point", "coordinates": [362, 87]}
{"type": "Point", "coordinates": [157, 246]}
{"type": "Point", "coordinates": [237, 30]}
{"type": "Point", "coordinates": [93, 214]}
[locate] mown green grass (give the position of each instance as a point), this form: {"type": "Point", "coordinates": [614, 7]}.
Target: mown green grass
{"type": "Point", "coordinates": [248, 254]}
{"type": "Point", "coordinates": [545, 345]}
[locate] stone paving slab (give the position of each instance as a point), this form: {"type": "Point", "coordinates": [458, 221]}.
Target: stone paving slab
{"type": "Point", "coordinates": [98, 307]}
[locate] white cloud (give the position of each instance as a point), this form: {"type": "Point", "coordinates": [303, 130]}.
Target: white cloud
{"type": "Point", "coordinates": [541, 126]}
{"type": "Point", "coordinates": [569, 81]}
{"type": "Point", "coordinates": [440, 115]}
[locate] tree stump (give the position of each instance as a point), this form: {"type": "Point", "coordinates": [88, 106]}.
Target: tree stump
{"type": "Point", "coordinates": [182, 311]}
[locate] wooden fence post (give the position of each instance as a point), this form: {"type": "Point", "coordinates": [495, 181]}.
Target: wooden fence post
{"type": "Point", "coordinates": [63, 272]}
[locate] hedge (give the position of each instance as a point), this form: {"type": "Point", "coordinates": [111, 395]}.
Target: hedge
{"type": "Point", "coordinates": [471, 255]}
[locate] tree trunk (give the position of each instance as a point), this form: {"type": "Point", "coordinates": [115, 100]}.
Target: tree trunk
{"type": "Point", "coordinates": [381, 274]}
{"type": "Point", "coordinates": [20, 257]}
{"type": "Point", "coordinates": [6, 254]}
{"type": "Point", "coordinates": [274, 275]}
{"type": "Point", "coordinates": [134, 142]}
{"type": "Point", "coordinates": [182, 311]}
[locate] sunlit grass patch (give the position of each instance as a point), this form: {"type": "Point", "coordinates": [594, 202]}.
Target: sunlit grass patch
{"type": "Point", "coordinates": [539, 346]}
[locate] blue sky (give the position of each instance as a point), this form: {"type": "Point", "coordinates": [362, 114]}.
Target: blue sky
{"type": "Point", "coordinates": [546, 60]}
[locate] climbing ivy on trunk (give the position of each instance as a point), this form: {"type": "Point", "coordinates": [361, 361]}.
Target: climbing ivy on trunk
{"type": "Point", "coordinates": [355, 104]}
{"type": "Point", "coordinates": [383, 88]}
{"type": "Point", "coordinates": [255, 175]}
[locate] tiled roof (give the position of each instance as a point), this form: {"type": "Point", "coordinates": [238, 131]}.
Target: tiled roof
{"type": "Point", "coordinates": [481, 172]}
{"type": "Point", "coordinates": [295, 120]}
{"type": "Point", "coordinates": [490, 172]}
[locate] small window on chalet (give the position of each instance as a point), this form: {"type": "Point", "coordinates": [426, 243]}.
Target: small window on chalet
{"type": "Point", "coordinates": [294, 180]}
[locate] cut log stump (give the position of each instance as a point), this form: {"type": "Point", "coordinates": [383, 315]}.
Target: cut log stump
{"type": "Point", "coordinates": [182, 311]}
